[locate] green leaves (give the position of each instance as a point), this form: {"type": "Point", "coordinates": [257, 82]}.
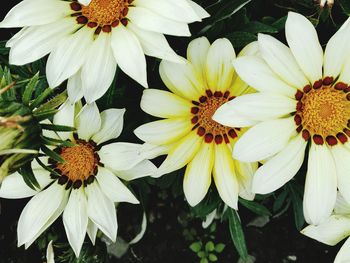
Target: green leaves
{"type": "Point", "coordinates": [237, 234]}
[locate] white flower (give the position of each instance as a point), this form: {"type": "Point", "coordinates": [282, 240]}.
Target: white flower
{"type": "Point", "coordinates": [334, 229]}
{"type": "Point", "coordinates": [198, 88]}
{"type": "Point", "coordinates": [303, 97]}
{"type": "Point", "coordinates": [84, 187]}
{"type": "Point", "coordinates": [87, 42]}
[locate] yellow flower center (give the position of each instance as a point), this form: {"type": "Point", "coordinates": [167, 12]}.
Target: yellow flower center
{"type": "Point", "coordinates": [102, 14]}
{"type": "Point", "coordinates": [323, 112]}
{"type": "Point", "coordinates": [203, 112]}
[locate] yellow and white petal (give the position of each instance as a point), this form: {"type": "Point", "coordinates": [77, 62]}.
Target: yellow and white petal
{"type": "Point", "coordinates": [252, 49]}
{"type": "Point", "coordinates": [219, 70]}
{"type": "Point", "coordinates": [92, 231]}
{"type": "Point", "coordinates": [303, 41]}
{"type": "Point", "coordinates": [35, 12]}
{"type": "Point", "coordinates": [113, 188]}
{"type": "Point", "coordinates": [65, 117]}
{"type": "Point", "coordinates": [88, 121]}
{"type": "Point", "coordinates": [335, 53]}
{"type": "Point", "coordinates": [343, 255]}
{"type": "Point", "coordinates": [111, 125]}
{"type": "Point", "coordinates": [164, 131]}
{"type": "Point", "coordinates": [38, 212]}
{"type": "Point", "coordinates": [280, 168]}
{"type": "Point", "coordinates": [38, 41]}
{"type": "Point", "coordinates": [75, 219]}
{"type": "Point", "coordinates": [342, 207]}
{"type": "Point", "coordinates": [197, 177]}
{"type": "Point", "coordinates": [254, 71]}
{"type": "Point", "coordinates": [75, 88]}
{"type": "Point", "coordinates": [201, 12]}
{"type": "Point", "coordinates": [197, 52]}
{"type": "Point", "coordinates": [342, 164]}
{"type": "Point", "coordinates": [98, 71]}
{"type": "Point", "coordinates": [129, 55]}
{"type": "Point", "coordinates": [164, 104]}
{"type": "Point", "coordinates": [225, 176]}
{"type": "Point", "coordinates": [142, 169]}
{"type": "Point", "coordinates": [264, 140]}
{"type": "Point", "coordinates": [181, 153]}
{"type": "Point", "coordinates": [148, 20]}
{"type": "Point", "coordinates": [331, 231]}
{"type": "Point", "coordinates": [69, 55]}
{"type": "Point", "coordinates": [244, 174]}
{"type": "Point", "coordinates": [281, 60]}
{"type": "Point", "coordinates": [320, 186]}
{"type": "Point", "coordinates": [182, 79]}
{"type": "Point", "coordinates": [155, 44]}
{"type": "Point", "coordinates": [177, 10]}
{"type": "Point", "coordinates": [101, 211]}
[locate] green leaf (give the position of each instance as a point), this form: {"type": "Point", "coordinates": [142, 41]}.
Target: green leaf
{"type": "Point", "coordinates": [209, 246]}
{"type": "Point", "coordinates": [220, 247]}
{"type": "Point", "coordinates": [257, 208]}
{"type": "Point", "coordinates": [213, 257]}
{"type": "Point", "coordinates": [52, 154]}
{"type": "Point", "coordinates": [204, 260]}
{"type": "Point", "coordinates": [280, 23]}
{"type": "Point", "coordinates": [41, 98]}
{"type": "Point", "coordinates": [196, 246]}
{"type": "Point", "coordinates": [55, 142]}
{"type": "Point", "coordinates": [53, 103]}
{"type": "Point", "coordinates": [237, 234]}
{"type": "Point", "coordinates": [43, 115]}
{"type": "Point", "coordinates": [201, 254]}
{"type": "Point", "coordinates": [297, 203]}
{"type": "Point", "coordinates": [29, 89]}
{"type": "Point", "coordinates": [255, 27]}
{"type": "Point", "coordinates": [280, 200]}
{"type": "Point", "coordinates": [28, 176]}
{"type": "Point", "coordinates": [57, 128]}
{"type": "Point", "coordinates": [241, 39]}
{"type": "Point", "coordinates": [345, 5]}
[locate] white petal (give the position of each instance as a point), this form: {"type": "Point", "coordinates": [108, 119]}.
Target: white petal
{"type": "Point", "coordinates": [264, 140]}
{"type": "Point", "coordinates": [75, 219]}
{"type": "Point", "coordinates": [155, 44]}
{"type": "Point", "coordinates": [164, 131]}
{"type": "Point", "coordinates": [113, 188]}
{"type": "Point", "coordinates": [343, 255]}
{"type": "Point", "coordinates": [181, 153]}
{"type": "Point", "coordinates": [219, 70]}
{"type": "Point", "coordinates": [331, 231]}
{"type": "Point", "coordinates": [142, 169]}
{"type": "Point", "coordinates": [92, 231]}
{"type": "Point", "coordinates": [84, 2]}
{"type": "Point", "coordinates": [342, 164]}
{"type": "Point", "coordinates": [35, 12]}
{"type": "Point", "coordinates": [65, 116]}
{"type": "Point", "coordinates": [38, 212]}
{"type": "Point", "coordinates": [65, 60]}
{"type": "Point", "coordinates": [303, 41]}
{"type": "Point", "coordinates": [252, 49]}
{"type": "Point", "coordinates": [101, 211]}
{"type": "Point", "coordinates": [88, 121]}
{"type": "Point", "coordinates": [111, 125]}
{"type": "Point", "coordinates": [320, 185]}
{"type": "Point", "coordinates": [281, 60]}
{"type": "Point", "coordinates": [148, 20]}
{"type": "Point", "coordinates": [182, 79]}
{"type": "Point", "coordinates": [164, 104]}
{"type": "Point", "coordinates": [281, 168]}
{"type": "Point", "coordinates": [18, 36]}
{"type": "Point", "coordinates": [50, 256]}
{"type": "Point", "coordinates": [341, 206]}
{"type": "Point", "coordinates": [75, 88]}
{"type": "Point", "coordinates": [129, 55]}
{"type": "Point", "coordinates": [225, 176]}
{"type": "Point", "coordinates": [201, 12]}
{"type": "Point", "coordinates": [254, 71]}
{"type": "Point", "coordinates": [197, 52]}
{"type": "Point", "coordinates": [197, 177]}
{"type": "Point", "coordinates": [244, 174]}
{"type": "Point", "coordinates": [39, 41]}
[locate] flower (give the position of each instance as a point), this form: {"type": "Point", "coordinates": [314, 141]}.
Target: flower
{"type": "Point", "coordinates": [86, 42]}
{"type": "Point", "coordinates": [297, 103]}
{"type": "Point", "coordinates": [334, 229]}
{"type": "Point", "coordinates": [198, 88]}
{"type": "Point", "coordinates": [85, 186]}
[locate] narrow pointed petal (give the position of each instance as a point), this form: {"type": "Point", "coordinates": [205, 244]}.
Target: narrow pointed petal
{"type": "Point", "coordinates": [320, 186]}
{"type": "Point", "coordinates": [142, 169]}
{"type": "Point", "coordinates": [343, 255]}
{"type": "Point", "coordinates": [198, 174]}
{"type": "Point", "coordinates": [245, 173]}
{"type": "Point", "coordinates": [88, 121]}
{"type": "Point", "coordinates": [92, 231]}
{"type": "Point", "coordinates": [75, 88]}
{"type": "Point", "coordinates": [201, 12]}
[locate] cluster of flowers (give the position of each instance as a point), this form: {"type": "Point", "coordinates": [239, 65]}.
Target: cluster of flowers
{"type": "Point", "coordinates": [222, 115]}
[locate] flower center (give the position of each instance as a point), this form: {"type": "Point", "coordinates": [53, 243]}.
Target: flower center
{"type": "Point", "coordinates": [203, 112]}
{"type": "Point", "coordinates": [80, 166]}
{"type": "Point", "coordinates": [102, 14]}
{"type": "Point", "coordinates": [323, 112]}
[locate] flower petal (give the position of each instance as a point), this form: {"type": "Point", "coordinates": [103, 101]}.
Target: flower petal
{"type": "Point", "coordinates": [244, 174]}
{"type": "Point", "coordinates": [343, 255]}
{"type": "Point", "coordinates": [92, 231]}
{"type": "Point", "coordinates": [75, 219]}
{"type": "Point", "coordinates": [75, 88]}
{"type": "Point", "coordinates": [113, 188]}
{"type": "Point", "coordinates": [88, 121]}
{"type": "Point", "coordinates": [164, 104]}
{"type": "Point", "coordinates": [142, 169]}
{"type": "Point", "coordinates": [201, 12]}
{"type": "Point", "coordinates": [197, 177]}
{"type": "Point", "coordinates": [225, 176]}
{"type": "Point", "coordinates": [320, 186]}
{"type": "Point", "coordinates": [65, 116]}
{"type": "Point", "coordinates": [129, 55]}
{"type": "Point", "coordinates": [197, 52]}
{"type": "Point", "coordinates": [303, 41]}
{"type": "Point", "coordinates": [264, 140]}
{"type": "Point", "coordinates": [111, 125]}
{"type": "Point", "coordinates": [280, 168]}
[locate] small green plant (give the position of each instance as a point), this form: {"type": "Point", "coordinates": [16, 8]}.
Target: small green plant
{"type": "Point", "coordinates": [207, 252]}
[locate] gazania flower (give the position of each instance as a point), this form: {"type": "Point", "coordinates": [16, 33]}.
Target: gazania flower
{"type": "Point", "coordinates": [198, 88]}
{"type": "Point", "coordinates": [85, 186]}
{"type": "Point", "coordinates": [334, 229]}
{"type": "Point", "coordinates": [87, 40]}
{"type": "Point", "coordinates": [303, 99]}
